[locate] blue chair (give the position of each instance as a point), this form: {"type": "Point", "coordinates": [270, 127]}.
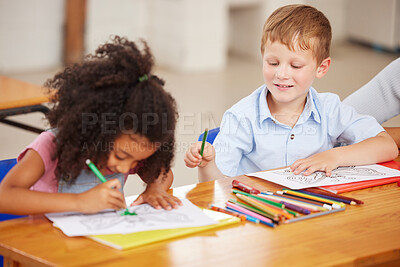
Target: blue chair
{"type": "Point", "coordinates": [210, 136]}
{"type": "Point", "coordinates": [5, 166]}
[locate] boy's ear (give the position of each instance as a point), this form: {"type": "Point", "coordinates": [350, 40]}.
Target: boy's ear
{"type": "Point", "coordinates": [323, 67]}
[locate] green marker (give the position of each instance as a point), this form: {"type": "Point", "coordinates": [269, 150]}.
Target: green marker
{"type": "Point", "coordinates": [96, 171]}
{"type": "Point", "coordinates": [103, 180]}
{"type": "Point", "coordinates": [203, 142]}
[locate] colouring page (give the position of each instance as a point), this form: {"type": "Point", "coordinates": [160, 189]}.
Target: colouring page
{"type": "Point", "coordinates": [341, 175]}
{"type": "Point", "coordinates": [147, 218]}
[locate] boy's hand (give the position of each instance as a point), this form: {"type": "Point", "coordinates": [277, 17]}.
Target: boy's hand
{"type": "Point", "coordinates": [193, 159]}
{"type": "Point", "coordinates": [101, 197]}
{"type": "Point", "coordinates": [157, 197]}
{"type": "Point", "coordinates": [324, 161]}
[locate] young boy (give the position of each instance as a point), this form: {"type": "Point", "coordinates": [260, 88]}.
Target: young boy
{"type": "Point", "coordinates": [286, 122]}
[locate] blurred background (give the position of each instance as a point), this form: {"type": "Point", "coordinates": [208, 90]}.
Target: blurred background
{"type": "Point", "coordinates": [208, 51]}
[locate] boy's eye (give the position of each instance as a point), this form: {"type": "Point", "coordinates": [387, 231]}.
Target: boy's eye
{"type": "Point", "coordinates": [273, 63]}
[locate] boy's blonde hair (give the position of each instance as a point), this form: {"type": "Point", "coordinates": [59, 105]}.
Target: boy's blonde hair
{"type": "Point", "coordinates": [299, 26]}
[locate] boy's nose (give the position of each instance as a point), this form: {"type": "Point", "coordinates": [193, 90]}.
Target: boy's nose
{"type": "Point", "coordinates": [282, 72]}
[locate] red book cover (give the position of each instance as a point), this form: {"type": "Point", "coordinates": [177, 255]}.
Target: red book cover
{"type": "Point", "coordinates": [341, 188]}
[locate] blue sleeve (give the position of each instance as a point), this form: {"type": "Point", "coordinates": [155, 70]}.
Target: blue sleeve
{"type": "Point", "coordinates": [234, 140]}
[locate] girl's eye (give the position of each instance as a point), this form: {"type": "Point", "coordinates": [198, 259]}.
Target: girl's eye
{"type": "Point", "coordinates": [118, 157]}
{"type": "Point", "coordinates": [273, 63]}
{"type": "Point", "coordinates": [296, 66]}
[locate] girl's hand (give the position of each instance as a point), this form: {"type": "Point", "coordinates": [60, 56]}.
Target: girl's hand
{"type": "Point", "coordinates": [101, 197]}
{"type": "Point", "coordinates": [193, 158]}
{"type": "Point", "coordinates": [324, 161]}
{"type": "Point", "coordinates": [157, 197]}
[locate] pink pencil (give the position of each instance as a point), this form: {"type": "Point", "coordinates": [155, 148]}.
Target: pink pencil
{"type": "Point", "coordinates": [248, 212]}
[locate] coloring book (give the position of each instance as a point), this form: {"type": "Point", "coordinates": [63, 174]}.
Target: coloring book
{"type": "Point", "coordinates": [341, 175]}
{"type": "Point", "coordinates": [147, 218]}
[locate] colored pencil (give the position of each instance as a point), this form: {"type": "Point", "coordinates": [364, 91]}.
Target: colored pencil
{"type": "Point", "coordinates": [103, 180]}
{"type": "Point", "coordinates": [314, 215]}
{"type": "Point", "coordinates": [321, 206]}
{"type": "Point", "coordinates": [250, 213]}
{"type": "Point", "coordinates": [203, 142]}
{"type": "Point", "coordinates": [244, 187]}
{"type": "Point", "coordinates": [267, 201]}
{"type": "Point", "coordinates": [302, 207]}
{"type": "Point", "coordinates": [327, 193]}
{"type": "Point", "coordinates": [247, 217]}
{"type": "Point", "coordinates": [96, 171]}
{"type": "Point", "coordinates": [222, 210]}
{"type": "Point", "coordinates": [258, 198]}
{"type": "Point", "coordinates": [334, 204]}
{"type": "Point", "coordinates": [264, 207]}
{"type": "Point", "coordinates": [274, 219]}
{"type": "Point", "coordinates": [293, 207]}
{"type": "Point", "coordinates": [350, 202]}
{"type": "Point", "coordinates": [250, 218]}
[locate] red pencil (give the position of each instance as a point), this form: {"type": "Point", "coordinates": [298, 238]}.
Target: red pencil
{"type": "Point", "coordinates": [245, 188]}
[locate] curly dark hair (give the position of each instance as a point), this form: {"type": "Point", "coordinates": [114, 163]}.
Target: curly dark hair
{"type": "Point", "coordinates": [99, 99]}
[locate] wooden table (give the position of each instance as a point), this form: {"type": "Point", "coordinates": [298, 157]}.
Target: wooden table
{"type": "Point", "coordinates": [17, 97]}
{"type": "Point", "coordinates": [359, 236]}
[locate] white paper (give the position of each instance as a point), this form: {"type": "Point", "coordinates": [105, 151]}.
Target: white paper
{"type": "Point", "coordinates": [147, 218]}
{"type": "Point", "coordinates": [341, 175]}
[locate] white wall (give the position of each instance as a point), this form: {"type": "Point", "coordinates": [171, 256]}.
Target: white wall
{"type": "Point", "coordinates": [246, 20]}
{"type": "Point", "coordinates": [374, 23]}
{"type": "Point", "coordinates": [31, 36]}
{"type": "Point", "coordinates": [189, 35]}
{"type": "Point", "coordinates": [105, 18]}
{"type": "Point", "coordinates": [185, 35]}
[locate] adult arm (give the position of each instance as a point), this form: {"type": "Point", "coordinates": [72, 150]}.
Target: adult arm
{"type": "Point", "coordinates": [380, 97]}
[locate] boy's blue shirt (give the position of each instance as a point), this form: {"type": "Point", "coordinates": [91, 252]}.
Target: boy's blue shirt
{"type": "Point", "coordinates": [251, 139]}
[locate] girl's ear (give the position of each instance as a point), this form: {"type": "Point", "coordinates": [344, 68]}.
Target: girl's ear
{"type": "Point", "coordinates": [323, 67]}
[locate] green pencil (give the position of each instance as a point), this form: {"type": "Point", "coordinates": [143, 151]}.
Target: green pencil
{"type": "Point", "coordinates": [96, 171]}
{"type": "Point", "coordinates": [103, 180]}
{"type": "Point", "coordinates": [204, 141]}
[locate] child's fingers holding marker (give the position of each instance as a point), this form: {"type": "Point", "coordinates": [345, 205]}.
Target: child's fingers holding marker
{"type": "Point", "coordinates": [113, 184]}
{"type": "Point", "coordinates": [209, 152]}
{"type": "Point", "coordinates": [101, 197]}
{"type": "Point", "coordinates": [192, 156]}
{"type": "Point", "coordinates": [112, 197]}
{"type": "Point", "coordinates": [191, 161]}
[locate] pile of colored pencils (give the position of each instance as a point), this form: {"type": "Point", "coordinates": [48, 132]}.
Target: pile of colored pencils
{"type": "Point", "coordinates": [283, 206]}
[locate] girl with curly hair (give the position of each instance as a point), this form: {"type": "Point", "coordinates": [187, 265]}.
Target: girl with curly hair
{"type": "Point", "coordinates": [109, 109]}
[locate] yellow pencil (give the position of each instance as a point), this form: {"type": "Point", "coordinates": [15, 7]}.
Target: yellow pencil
{"type": "Point", "coordinates": [335, 204]}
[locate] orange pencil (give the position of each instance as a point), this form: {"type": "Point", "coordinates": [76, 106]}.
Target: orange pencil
{"type": "Point", "coordinates": [241, 216]}
{"type": "Point", "coordinates": [264, 206]}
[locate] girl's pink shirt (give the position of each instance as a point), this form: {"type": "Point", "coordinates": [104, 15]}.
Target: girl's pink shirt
{"type": "Point", "coordinates": [45, 147]}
